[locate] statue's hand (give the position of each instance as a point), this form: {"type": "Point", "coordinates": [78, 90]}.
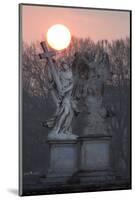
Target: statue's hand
{"type": "Point", "coordinates": [61, 93]}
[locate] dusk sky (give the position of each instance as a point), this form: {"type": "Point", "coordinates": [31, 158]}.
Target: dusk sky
{"type": "Point", "coordinates": [96, 24]}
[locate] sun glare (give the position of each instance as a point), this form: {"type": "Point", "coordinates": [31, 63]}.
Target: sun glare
{"type": "Point", "coordinates": [58, 36]}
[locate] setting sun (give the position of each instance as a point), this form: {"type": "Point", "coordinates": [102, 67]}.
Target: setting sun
{"type": "Point", "coordinates": [58, 36]}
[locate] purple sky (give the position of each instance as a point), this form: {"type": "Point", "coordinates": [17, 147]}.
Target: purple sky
{"type": "Point", "coordinates": [96, 24]}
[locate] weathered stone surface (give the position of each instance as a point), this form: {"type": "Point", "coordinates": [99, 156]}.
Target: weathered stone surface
{"type": "Point", "coordinates": [95, 153]}
{"type": "Point", "coordinates": [62, 136]}
{"type": "Point", "coordinates": [63, 159]}
{"type": "Point", "coordinates": [95, 158]}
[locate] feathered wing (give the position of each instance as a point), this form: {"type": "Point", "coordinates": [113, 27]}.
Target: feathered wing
{"type": "Point", "coordinates": [80, 68]}
{"type": "Point", "coordinates": [81, 85]}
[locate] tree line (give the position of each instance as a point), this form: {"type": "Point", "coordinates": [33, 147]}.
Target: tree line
{"type": "Point", "coordinates": [34, 70]}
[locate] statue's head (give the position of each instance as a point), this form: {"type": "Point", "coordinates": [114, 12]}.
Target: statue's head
{"type": "Point", "coordinates": [64, 65]}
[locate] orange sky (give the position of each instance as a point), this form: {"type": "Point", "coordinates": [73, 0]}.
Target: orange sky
{"type": "Point", "coordinates": [96, 24]}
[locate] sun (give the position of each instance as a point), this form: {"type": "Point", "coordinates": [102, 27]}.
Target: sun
{"type": "Point", "coordinates": [58, 36]}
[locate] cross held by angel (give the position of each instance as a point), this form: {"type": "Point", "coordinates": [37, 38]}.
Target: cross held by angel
{"type": "Point", "coordinates": [61, 90]}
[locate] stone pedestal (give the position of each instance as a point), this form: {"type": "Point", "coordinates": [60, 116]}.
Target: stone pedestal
{"type": "Point", "coordinates": [95, 158]}
{"type": "Point", "coordinates": [63, 160]}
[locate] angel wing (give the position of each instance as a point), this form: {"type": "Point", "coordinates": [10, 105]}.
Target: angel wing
{"type": "Point", "coordinates": [80, 69]}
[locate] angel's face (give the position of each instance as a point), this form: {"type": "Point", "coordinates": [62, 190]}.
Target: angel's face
{"type": "Point", "coordinates": [65, 66]}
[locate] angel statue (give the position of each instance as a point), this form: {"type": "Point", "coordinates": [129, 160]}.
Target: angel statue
{"type": "Point", "coordinates": [60, 82]}
{"type": "Point", "coordinates": [93, 75]}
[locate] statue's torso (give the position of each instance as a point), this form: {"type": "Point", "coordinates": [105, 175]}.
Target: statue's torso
{"type": "Point", "coordinates": [66, 78]}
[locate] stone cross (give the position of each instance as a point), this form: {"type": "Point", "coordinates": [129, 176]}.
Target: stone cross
{"type": "Point", "coordinates": [48, 55]}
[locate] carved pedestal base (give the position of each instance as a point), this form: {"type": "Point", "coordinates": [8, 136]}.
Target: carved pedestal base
{"type": "Point", "coordinates": [63, 160]}
{"type": "Point", "coordinates": [95, 158]}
